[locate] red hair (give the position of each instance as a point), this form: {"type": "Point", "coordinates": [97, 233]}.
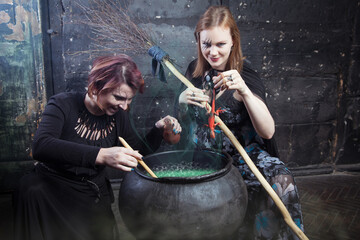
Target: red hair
{"type": "Point", "coordinates": [218, 16]}
{"type": "Point", "coordinates": [109, 72]}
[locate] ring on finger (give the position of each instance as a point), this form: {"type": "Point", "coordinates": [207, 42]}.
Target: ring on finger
{"type": "Point", "coordinates": [230, 78]}
{"type": "Point", "coordinates": [193, 94]}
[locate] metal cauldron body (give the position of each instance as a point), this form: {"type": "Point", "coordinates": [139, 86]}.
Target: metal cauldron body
{"type": "Point", "coordinates": [211, 206]}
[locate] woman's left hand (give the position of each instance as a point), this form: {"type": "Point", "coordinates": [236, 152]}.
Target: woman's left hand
{"type": "Point", "coordinates": [176, 127]}
{"type": "Point", "coordinates": [231, 80]}
{"type": "Point", "coordinates": [171, 129]}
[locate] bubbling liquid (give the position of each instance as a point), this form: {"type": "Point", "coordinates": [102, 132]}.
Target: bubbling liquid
{"type": "Point", "coordinates": [182, 169]}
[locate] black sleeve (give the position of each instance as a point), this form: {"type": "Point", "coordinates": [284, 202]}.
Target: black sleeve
{"type": "Point", "coordinates": [147, 145]}
{"type": "Point", "coordinates": [48, 145]}
{"type": "Point", "coordinates": [152, 141]}
{"type": "Point", "coordinates": [255, 84]}
{"type": "Point", "coordinates": [253, 81]}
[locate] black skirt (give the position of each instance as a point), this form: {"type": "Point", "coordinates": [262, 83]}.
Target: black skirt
{"type": "Point", "coordinates": [50, 206]}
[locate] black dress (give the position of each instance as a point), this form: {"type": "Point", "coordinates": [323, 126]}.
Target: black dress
{"type": "Point", "coordinates": [67, 196]}
{"type": "Point", "coordinates": [263, 219]}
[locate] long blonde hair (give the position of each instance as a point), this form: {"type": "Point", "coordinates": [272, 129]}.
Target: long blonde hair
{"type": "Point", "coordinates": [218, 16]}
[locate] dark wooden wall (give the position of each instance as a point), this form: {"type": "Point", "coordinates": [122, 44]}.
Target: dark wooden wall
{"type": "Point", "coordinates": [22, 86]}
{"type": "Point", "coordinates": [307, 53]}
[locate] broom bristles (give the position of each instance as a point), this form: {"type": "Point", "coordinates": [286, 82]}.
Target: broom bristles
{"type": "Point", "coordinates": [112, 28]}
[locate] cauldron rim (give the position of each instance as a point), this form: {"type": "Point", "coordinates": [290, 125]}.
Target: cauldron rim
{"type": "Point", "coordinates": [183, 180]}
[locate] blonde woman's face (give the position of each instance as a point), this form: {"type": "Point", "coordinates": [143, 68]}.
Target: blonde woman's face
{"type": "Point", "coordinates": [216, 46]}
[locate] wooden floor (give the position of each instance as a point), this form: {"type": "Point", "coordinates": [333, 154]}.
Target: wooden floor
{"type": "Point", "coordinates": [330, 205]}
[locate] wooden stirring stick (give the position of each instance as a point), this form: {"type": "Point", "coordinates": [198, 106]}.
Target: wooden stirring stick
{"type": "Point", "coordinates": [139, 160]}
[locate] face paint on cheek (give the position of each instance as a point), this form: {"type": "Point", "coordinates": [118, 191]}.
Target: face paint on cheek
{"type": "Point", "coordinates": [205, 46]}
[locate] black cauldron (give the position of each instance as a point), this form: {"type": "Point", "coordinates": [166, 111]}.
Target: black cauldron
{"type": "Point", "coordinates": [210, 206]}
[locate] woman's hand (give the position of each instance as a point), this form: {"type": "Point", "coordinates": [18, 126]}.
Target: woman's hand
{"type": "Point", "coordinates": [118, 157]}
{"type": "Point", "coordinates": [231, 80]}
{"type": "Point", "coordinates": [257, 109]}
{"type": "Point", "coordinates": [193, 96]}
{"type": "Point", "coordinates": [171, 129]}
{"type": "Point", "coordinates": [169, 120]}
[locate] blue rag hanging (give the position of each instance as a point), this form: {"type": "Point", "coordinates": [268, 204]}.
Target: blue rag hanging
{"type": "Point", "coordinates": [158, 55]}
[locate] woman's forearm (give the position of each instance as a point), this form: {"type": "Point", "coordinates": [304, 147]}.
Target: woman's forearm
{"type": "Point", "coordinates": [259, 114]}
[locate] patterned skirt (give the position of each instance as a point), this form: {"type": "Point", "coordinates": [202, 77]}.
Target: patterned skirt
{"type": "Point", "coordinates": [263, 219]}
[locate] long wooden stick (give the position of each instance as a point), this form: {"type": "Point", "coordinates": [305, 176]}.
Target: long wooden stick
{"type": "Point", "coordinates": [246, 158]}
{"type": "Point", "coordinates": [139, 160]}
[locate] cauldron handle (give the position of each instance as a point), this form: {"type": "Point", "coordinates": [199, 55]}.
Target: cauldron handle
{"type": "Point", "coordinates": [139, 160]}
{"type": "Point", "coordinates": [245, 156]}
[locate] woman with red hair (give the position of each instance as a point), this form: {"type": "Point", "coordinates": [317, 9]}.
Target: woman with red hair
{"type": "Point", "coordinates": [68, 195]}
{"type": "Point", "coordinates": [221, 74]}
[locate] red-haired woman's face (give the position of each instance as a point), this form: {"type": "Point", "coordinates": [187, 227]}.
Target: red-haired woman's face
{"type": "Point", "coordinates": [111, 101]}
{"type": "Point", "coordinates": [216, 46]}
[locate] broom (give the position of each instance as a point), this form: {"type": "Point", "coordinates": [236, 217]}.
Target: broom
{"type": "Point", "coordinates": [115, 31]}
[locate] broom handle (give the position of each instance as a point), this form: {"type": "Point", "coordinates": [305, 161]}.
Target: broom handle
{"type": "Point", "coordinates": [246, 158]}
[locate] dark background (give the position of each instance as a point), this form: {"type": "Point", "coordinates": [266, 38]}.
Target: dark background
{"type": "Point", "coordinates": [307, 53]}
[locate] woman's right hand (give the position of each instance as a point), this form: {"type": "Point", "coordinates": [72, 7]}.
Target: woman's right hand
{"type": "Point", "coordinates": [193, 96]}
{"type": "Point", "coordinates": [118, 157]}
